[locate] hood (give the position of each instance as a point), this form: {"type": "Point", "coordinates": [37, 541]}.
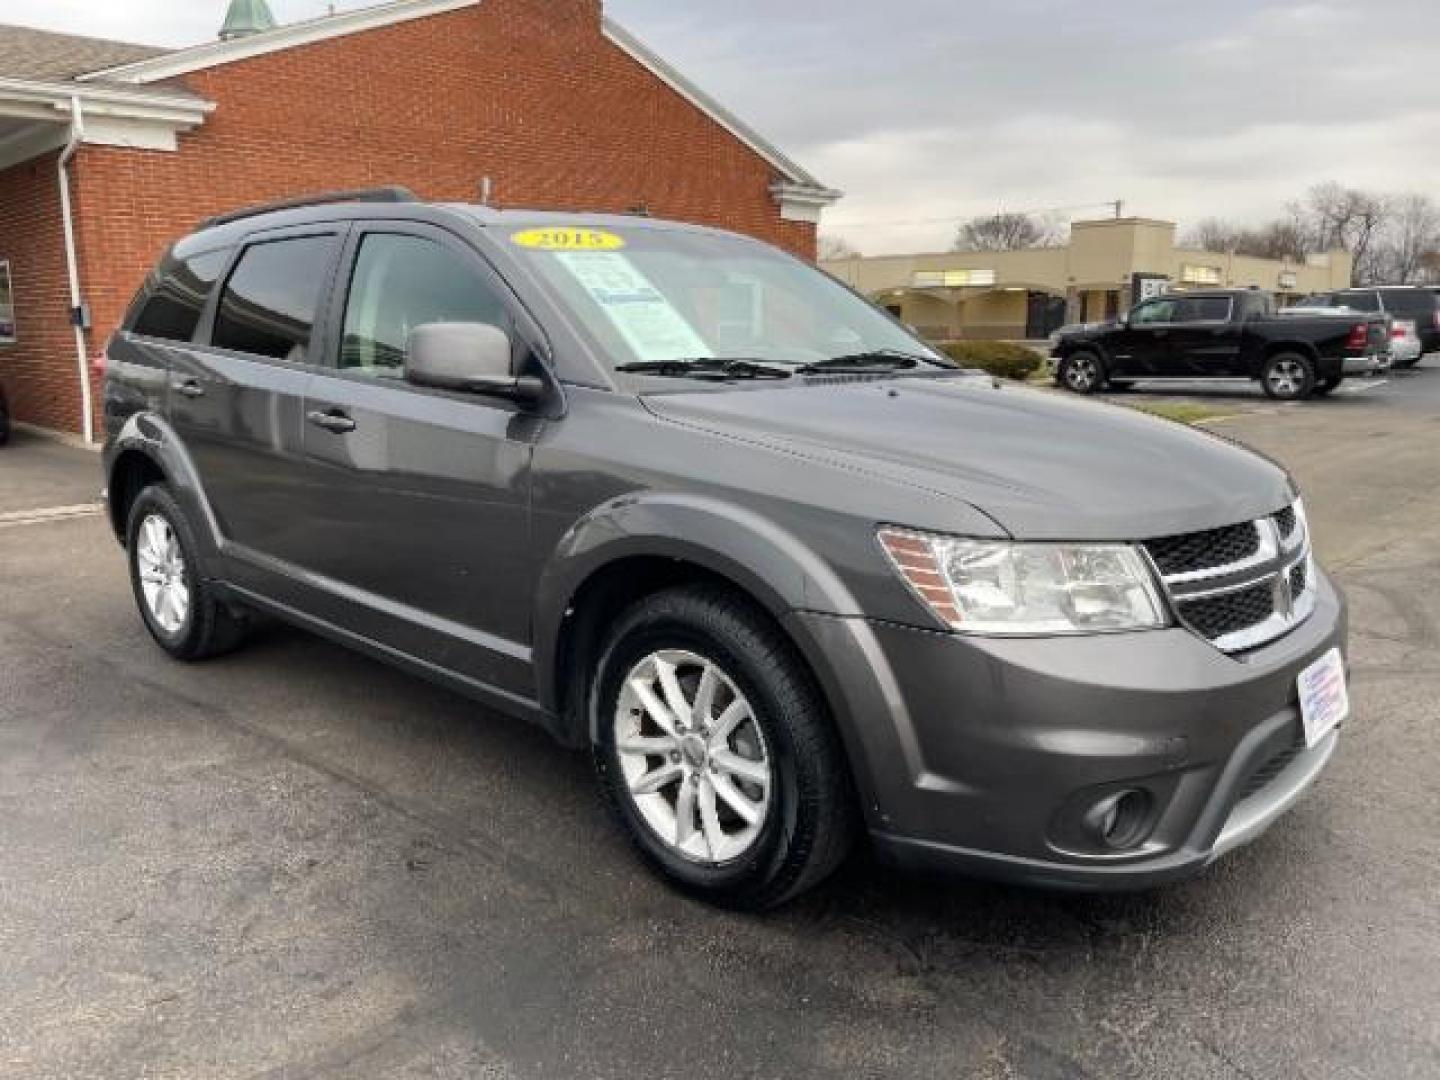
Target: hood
{"type": "Point", "coordinates": [1041, 464]}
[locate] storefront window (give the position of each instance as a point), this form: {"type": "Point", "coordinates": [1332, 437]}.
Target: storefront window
{"type": "Point", "coordinates": [7, 306]}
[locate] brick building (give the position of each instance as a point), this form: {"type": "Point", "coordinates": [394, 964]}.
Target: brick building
{"type": "Point", "coordinates": [544, 103]}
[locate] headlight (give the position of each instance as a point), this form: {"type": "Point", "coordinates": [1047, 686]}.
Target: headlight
{"type": "Point", "coordinates": [995, 587]}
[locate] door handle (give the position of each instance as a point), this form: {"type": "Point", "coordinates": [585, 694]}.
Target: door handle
{"type": "Point", "coordinates": [190, 388]}
{"type": "Point", "coordinates": [333, 421]}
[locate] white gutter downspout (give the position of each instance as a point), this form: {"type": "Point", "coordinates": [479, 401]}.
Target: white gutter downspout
{"type": "Point", "coordinates": [72, 266]}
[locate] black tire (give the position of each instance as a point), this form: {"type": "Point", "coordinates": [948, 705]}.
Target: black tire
{"type": "Point", "coordinates": [1081, 372]}
{"type": "Point", "coordinates": [1288, 376]}
{"type": "Point", "coordinates": [208, 627]}
{"type": "Point", "coordinates": [4, 421]}
{"type": "Point", "coordinates": [1326, 385]}
{"type": "Point", "coordinates": [807, 827]}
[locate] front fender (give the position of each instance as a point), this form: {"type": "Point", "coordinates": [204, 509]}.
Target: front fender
{"type": "Point", "coordinates": [771, 563]}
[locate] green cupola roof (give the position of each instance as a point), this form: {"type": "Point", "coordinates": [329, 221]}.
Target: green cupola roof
{"type": "Point", "coordinates": [246, 17]}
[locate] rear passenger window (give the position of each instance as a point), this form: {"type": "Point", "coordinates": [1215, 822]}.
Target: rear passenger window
{"type": "Point", "coordinates": [172, 310]}
{"type": "Point", "coordinates": [1409, 303]}
{"type": "Point", "coordinates": [1359, 301]}
{"type": "Point", "coordinates": [401, 282]}
{"type": "Point", "coordinates": [271, 301]}
{"type": "Point", "coordinates": [1203, 309]}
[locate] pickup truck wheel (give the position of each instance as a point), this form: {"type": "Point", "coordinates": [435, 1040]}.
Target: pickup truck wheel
{"type": "Point", "coordinates": [1288, 376]}
{"type": "Point", "coordinates": [715, 751]}
{"type": "Point", "coordinates": [1081, 372]}
{"type": "Point", "coordinates": [179, 607]}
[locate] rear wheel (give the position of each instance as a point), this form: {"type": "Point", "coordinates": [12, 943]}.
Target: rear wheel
{"type": "Point", "coordinates": [715, 751]}
{"type": "Point", "coordinates": [1288, 376]}
{"type": "Point", "coordinates": [179, 607]}
{"type": "Point", "coordinates": [1081, 372]}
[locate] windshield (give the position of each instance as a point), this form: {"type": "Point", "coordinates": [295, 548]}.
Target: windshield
{"type": "Point", "coordinates": [651, 296]}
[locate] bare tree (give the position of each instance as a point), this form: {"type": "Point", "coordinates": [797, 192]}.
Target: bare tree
{"type": "Point", "coordinates": [837, 247]}
{"type": "Point", "coordinates": [1283, 238]}
{"type": "Point", "coordinates": [1213, 234]}
{"type": "Point", "coordinates": [1350, 219]}
{"type": "Point", "coordinates": [1412, 240]}
{"type": "Point", "coordinates": [1005, 232]}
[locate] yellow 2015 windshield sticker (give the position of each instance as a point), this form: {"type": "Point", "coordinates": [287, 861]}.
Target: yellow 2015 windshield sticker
{"type": "Point", "coordinates": [560, 238]}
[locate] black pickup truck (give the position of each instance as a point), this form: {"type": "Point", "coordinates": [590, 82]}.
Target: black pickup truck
{"type": "Point", "coordinates": [1221, 334]}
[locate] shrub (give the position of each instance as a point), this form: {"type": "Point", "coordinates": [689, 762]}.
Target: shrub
{"type": "Point", "coordinates": [1002, 358]}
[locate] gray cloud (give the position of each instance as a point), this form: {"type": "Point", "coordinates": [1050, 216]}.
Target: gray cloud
{"type": "Point", "coordinates": [925, 111]}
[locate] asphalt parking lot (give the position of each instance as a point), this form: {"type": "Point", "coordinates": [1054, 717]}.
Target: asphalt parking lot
{"type": "Point", "coordinates": [295, 862]}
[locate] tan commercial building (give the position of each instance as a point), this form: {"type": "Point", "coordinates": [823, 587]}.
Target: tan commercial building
{"type": "Point", "coordinates": [1105, 268]}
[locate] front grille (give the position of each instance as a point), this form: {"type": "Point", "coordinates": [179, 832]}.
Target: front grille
{"type": "Point", "coordinates": [1229, 613]}
{"type": "Point", "coordinates": [1206, 550]}
{"type": "Point", "coordinates": [1285, 521]}
{"type": "Point", "coordinates": [1272, 767]}
{"type": "Point", "coordinates": [1242, 585]}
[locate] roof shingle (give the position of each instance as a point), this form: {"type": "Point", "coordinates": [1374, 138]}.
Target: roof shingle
{"type": "Point", "coordinates": [26, 53]}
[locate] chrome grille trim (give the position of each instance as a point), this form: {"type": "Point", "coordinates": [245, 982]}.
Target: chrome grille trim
{"type": "Point", "coordinates": [1280, 561]}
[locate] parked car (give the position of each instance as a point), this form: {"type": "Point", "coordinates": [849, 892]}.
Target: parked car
{"type": "Point", "coordinates": [693, 505]}
{"type": "Point", "coordinates": [1406, 348]}
{"type": "Point", "coordinates": [1414, 303]}
{"type": "Point", "coordinates": [1222, 333]}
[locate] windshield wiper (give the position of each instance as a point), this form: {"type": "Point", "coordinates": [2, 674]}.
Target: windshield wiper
{"type": "Point", "coordinates": [874, 360]}
{"type": "Point", "coordinates": [704, 368]}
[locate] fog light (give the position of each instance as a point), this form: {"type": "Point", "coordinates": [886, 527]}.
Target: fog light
{"type": "Point", "coordinates": [1120, 820]}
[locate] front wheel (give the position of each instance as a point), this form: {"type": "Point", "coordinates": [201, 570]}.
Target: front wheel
{"type": "Point", "coordinates": [1288, 376]}
{"type": "Point", "coordinates": [1081, 373]}
{"type": "Point", "coordinates": [716, 752]}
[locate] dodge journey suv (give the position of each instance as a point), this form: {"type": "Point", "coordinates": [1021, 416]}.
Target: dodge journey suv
{"type": "Point", "coordinates": [790, 576]}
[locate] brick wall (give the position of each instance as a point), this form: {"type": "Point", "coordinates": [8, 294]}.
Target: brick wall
{"type": "Point", "coordinates": [527, 92]}
{"type": "Point", "coordinates": [38, 372]}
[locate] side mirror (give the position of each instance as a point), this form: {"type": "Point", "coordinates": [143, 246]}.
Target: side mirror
{"type": "Point", "coordinates": [472, 357]}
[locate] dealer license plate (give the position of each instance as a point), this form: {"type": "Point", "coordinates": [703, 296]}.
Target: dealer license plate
{"type": "Point", "coordinates": [1324, 700]}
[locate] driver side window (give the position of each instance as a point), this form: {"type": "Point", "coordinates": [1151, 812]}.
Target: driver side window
{"type": "Point", "coordinates": [1154, 311]}
{"type": "Point", "coordinates": [401, 282]}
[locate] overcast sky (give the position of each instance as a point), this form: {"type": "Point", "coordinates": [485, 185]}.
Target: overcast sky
{"type": "Point", "coordinates": [927, 111]}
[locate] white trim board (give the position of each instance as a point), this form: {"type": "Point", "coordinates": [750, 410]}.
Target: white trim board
{"type": "Point", "coordinates": [289, 36]}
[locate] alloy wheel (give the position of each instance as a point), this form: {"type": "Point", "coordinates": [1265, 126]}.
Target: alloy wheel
{"type": "Point", "coordinates": [1286, 377]}
{"type": "Point", "coordinates": [1081, 373]}
{"type": "Point", "coordinates": [161, 566]}
{"type": "Point", "coordinates": [693, 757]}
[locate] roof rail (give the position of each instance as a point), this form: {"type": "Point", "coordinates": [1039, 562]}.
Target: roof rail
{"type": "Point", "coordinates": [362, 195]}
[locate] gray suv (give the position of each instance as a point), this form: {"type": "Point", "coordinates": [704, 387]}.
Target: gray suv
{"type": "Point", "coordinates": [692, 505]}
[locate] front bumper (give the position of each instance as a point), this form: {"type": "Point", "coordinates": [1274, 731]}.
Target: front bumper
{"type": "Point", "coordinates": [987, 756]}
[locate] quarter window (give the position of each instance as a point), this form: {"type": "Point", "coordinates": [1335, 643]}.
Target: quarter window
{"type": "Point", "coordinates": [401, 282]}
{"type": "Point", "coordinates": [270, 303]}
{"type": "Point", "coordinates": [172, 310]}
